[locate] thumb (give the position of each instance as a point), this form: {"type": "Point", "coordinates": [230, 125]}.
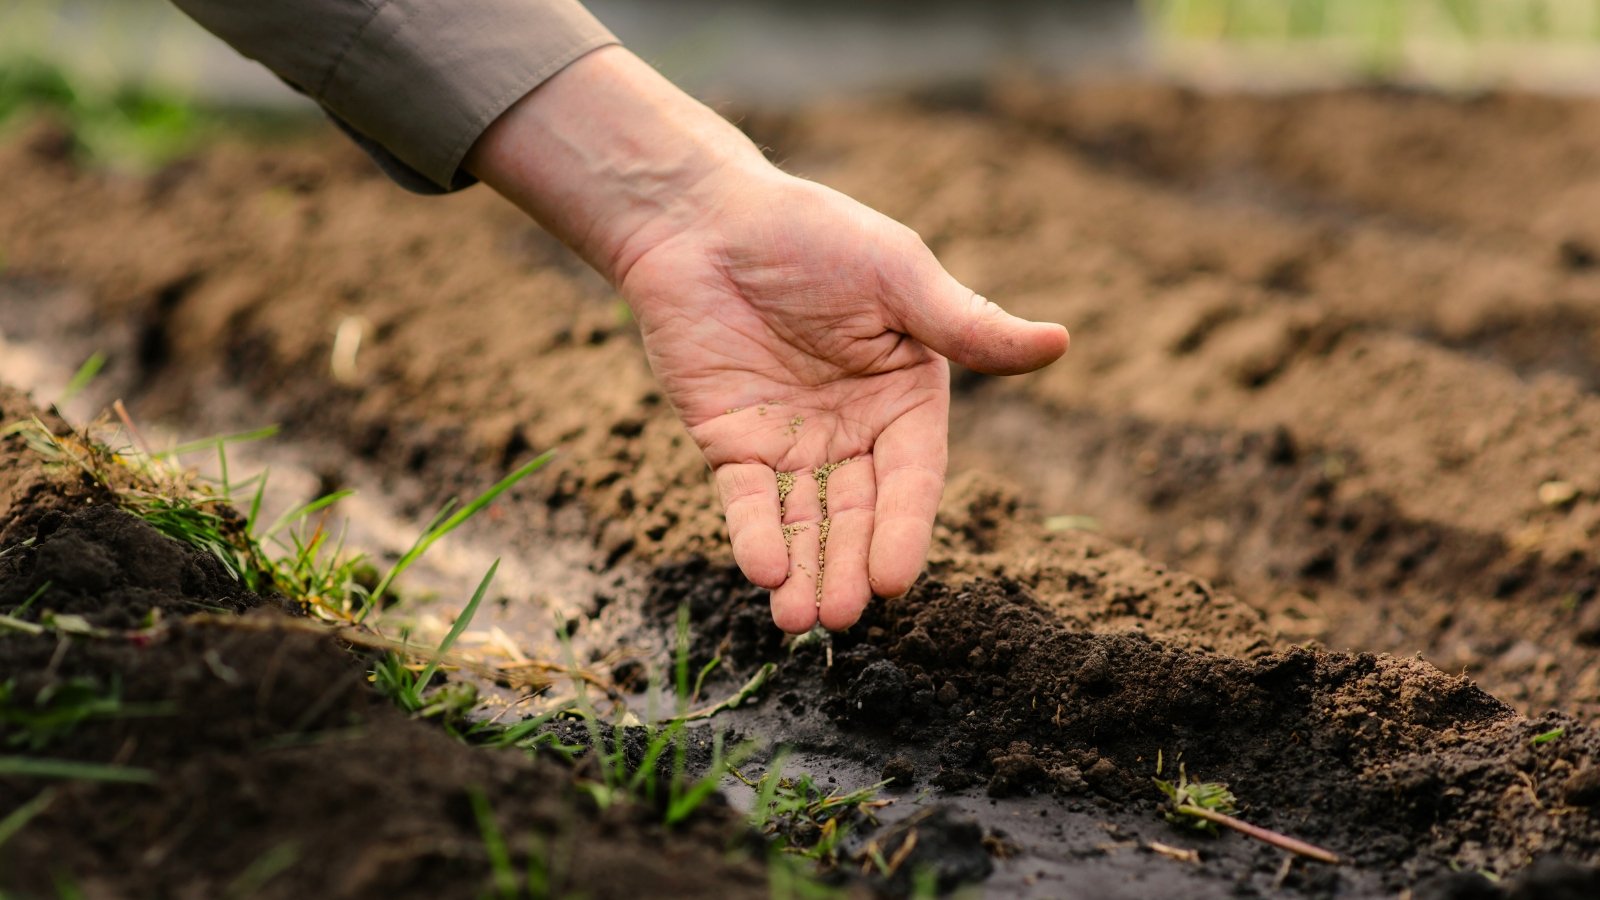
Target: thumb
{"type": "Point", "coordinates": [957, 323]}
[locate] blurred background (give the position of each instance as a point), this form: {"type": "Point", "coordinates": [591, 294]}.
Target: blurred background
{"type": "Point", "coordinates": [135, 71]}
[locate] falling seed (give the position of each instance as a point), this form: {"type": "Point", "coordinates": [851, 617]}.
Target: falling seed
{"type": "Point", "coordinates": [1072, 523]}
{"type": "Point", "coordinates": [1557, 493]}
{"type": "Point", "coordinates": [346, 345]}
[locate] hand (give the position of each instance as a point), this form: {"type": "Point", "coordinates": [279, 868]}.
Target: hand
{"type": "Point", "coordinates": [801, 336]}
{"type": "Point", "coordinates": [795, 331]}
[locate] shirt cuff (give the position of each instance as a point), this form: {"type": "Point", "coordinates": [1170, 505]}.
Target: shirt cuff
{"type": "Point", "coordinates": [423, 79]}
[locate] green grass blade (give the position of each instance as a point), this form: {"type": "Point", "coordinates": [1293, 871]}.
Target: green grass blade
{"type": "Point", "coordinates": [412, 554]}
{"type": "Point", "coordinates": [36, 767]}
{"type": "Point", "coordinates": [700, 680]}
{"type": "Point", "coordinates": [255, 503]}
{"type": "Point", "coordinates": [441, 528]}
{"type": "Point", "coordinates": [18, 818]}
{"type": "Point", "coordinates": [680, 662]}
{"type": "Point", "coordinates": [1553, 734]}
{"type": "Point", "coordinates": [212, 443]}
{"type": "Point", "coordinates": [266, 867]}
{"type": "Point", "coordinates": [81, 379]}
{"type": "Point", "coordinates": [754, 686]}
{"type": "Point", "coordinates": [685, 803]}
{"type": "Point", "coordinates": [645, 775]}
{"type": "Point", "coordinates": [296, 515]}
{"type": "Point", "coordinates": [33, 598]}
{"type": "Point", "coordinates": [462, 621]}
{"type": "Point", "coordinates": [768, 791]}
{"type": "Point", "coordinates": [494, 843]}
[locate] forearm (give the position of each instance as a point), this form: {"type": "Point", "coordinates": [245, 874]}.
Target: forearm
{"type": "Point", "coordinates": [416, 81]}
{"type": "Point", "coordinates": [612, 158]}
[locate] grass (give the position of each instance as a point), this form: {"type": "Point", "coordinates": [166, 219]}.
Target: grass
{"type": "Point", "coordinates": [296, 556]}
{"type": "Point", "coordinates": [1205, 805]}
{"type": "Point", "coordinates": [132, 124]}
{"type": "Point", "coordinates": [1378, 21]}
{"type": "Point", "coordinates": [33, 598]}
{"type": "Point", "coordinates": [618, 779]}
{"type": "Point", "coordinates": [653, 774]}
{"type": "Point", "coordinates": [537, 879]}
{"type": "Point", "coordinates": [116, 117]}
{"type": "Point", "coordinates": [266, 867]}
{"type": "Point", "coordinates": [449, 519]}
{"type": "Point", "coordinates": [805, 819]}
{"type": "Point", "coordinates": [409, 689]}
{"type": "Point", "coordinates": [1436, 40]}
{"type": "Point", "coordinates": [507, 885]}
{"type": "Point", "coordinates": [19, 818]}
{"type": "Point", "coordinates": [82, 378]}
{"type": "Point", "coordinates": [60, 708]}
{"type": "Point", "coordinates": [71, 770]}
{"type": "Point", "coordinates": [1546, 737]}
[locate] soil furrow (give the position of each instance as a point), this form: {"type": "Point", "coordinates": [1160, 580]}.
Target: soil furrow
{"type": "Point", "coordinates": [1335, 353]}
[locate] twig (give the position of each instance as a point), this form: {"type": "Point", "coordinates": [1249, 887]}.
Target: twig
{"type": "Point", "coordinates": [1281, 841]}
{"type": "Point", "coordinates": [133, 431]}
{"type": "Point", "coordinates": [1177, 853]}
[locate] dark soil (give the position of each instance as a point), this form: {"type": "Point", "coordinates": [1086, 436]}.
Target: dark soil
{"type": "Point", "coordinates": [104, 565]}
{"type": "Point", "coordinates": [1330, 350]}
{"type": "Point", "coordinates": [278, 770]}
{"type": "Point", "coordinates": [28, 491]}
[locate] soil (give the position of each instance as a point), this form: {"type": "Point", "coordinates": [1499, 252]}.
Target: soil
{"type": "Point", "coordinates": [278, 771]}
{"type": "Point", "coordinates": [1331, 404]}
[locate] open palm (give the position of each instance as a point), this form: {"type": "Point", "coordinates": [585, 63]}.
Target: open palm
{"type": "Point", "coordinates": [803, 339]}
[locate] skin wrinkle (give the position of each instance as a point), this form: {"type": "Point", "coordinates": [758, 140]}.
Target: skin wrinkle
{"type": "Point", "coordinates": [965, 342]}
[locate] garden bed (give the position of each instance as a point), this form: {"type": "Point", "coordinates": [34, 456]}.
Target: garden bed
{"type": "Point", "coordinates": [1331, 407]}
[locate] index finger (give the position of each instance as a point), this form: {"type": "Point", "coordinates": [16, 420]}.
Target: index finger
{"type": "Point", "coordinates": [909, 459]}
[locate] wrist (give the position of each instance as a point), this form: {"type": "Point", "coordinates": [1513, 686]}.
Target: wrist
{"type": "Point", "coordinates": [613, 159]}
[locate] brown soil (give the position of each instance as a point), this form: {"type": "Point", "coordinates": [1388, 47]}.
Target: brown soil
{"type": "Point", "coordinates": [1335, 354]}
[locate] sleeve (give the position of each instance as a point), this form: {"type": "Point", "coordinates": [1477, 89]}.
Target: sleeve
{"type": "Point", "coordinates": [415, 82]}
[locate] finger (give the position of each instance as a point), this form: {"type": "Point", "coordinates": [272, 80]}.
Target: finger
{"type": "Point", "coordinates": [750, 501]}
{"type": "Point", "coordinates": [910, 461]}
{"type": "Point", "coordinates": [852, 493]}
{"type": "Point", "coordinates": [966, 328]}
{"type": "Point", "coordinates": [794, 603]}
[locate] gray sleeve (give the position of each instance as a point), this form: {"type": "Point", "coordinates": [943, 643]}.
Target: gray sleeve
{"type": "Point", "coordinates": [415, 82]}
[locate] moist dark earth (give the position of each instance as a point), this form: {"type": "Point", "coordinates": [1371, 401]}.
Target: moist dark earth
{"type": "Point", "coordinates": [1331, 405]}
